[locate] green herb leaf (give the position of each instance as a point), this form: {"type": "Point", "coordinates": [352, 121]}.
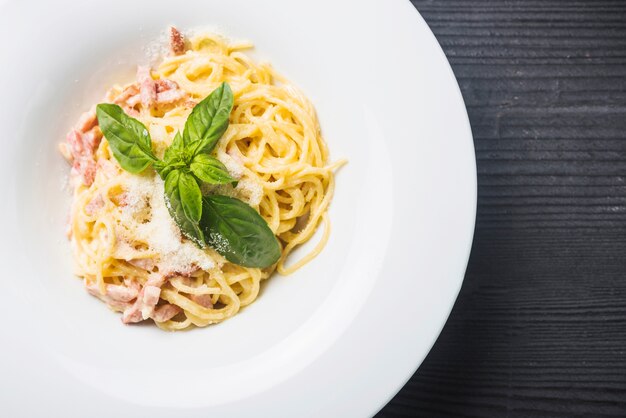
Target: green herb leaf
{"type": "Point", "coordinates": [238, 232]}
{"type": "Point", "coordinates": [210, 170]}
{"type": "Point", "coordinates": [174, 157]}
{"type": "Point", "coordinates": [208, 121]}
{"type": "Point", "coordinates": [175, 152]}
{"type": "Point", "coordinates": [184, 202]}
{"type": "Point", "coordinates": [128, 138]}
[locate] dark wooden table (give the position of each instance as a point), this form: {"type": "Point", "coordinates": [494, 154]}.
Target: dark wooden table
{"type": "Point", "coordinates": [539, 328]}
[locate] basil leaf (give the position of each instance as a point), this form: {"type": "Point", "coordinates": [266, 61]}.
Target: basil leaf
{"type": "Point", "coordinates": [238, 232]}
{"type": "Point", "coordinates": [128, 138]}
{"type": "Point", "coordinates": [176, 150]}
{"type": "Point", "coordinates": [210, 170]}
{"type": "Point", "coordinates": [184, 202]}
{"type": "Point", "coordinates": [208, 121]}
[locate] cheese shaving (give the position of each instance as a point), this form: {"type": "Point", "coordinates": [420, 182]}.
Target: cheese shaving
{"type": "Point", "coordinates": [146, 219]}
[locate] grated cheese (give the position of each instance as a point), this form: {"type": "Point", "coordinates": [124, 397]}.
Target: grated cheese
{"type": "Point", "coordinates": [145, 219]}
{"type": "Point", "coordinates": [235, 169]}
{"type": "Point", "coordinates": [250, 191]}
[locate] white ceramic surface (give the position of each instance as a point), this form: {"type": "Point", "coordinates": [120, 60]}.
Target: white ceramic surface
{"type": "Point", "coordinates": [338, 338]}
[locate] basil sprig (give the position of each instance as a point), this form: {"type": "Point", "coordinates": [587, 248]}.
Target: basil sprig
{"type": "Point", "coordinates": [230, 226]}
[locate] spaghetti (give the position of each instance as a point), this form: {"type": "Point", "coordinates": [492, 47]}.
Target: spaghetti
{"type": "Point", "coordinates": [126, 246]}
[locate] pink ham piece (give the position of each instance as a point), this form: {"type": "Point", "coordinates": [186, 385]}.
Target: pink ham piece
{"type": "Point", "coordinates": [128, 99]}
{"type": "Point", "coordinates": [122, 293]}
{"type": "Point", "coordinates": [82, 143]}
{"type": "Point", "coordinates": [146, 301]}
{"type": "Point", "coordinates": [164, 84]}
{"type": "Point", "coordinates": [165, 92]}
{"type": "Point", "coordinates": [92, 138]}
{"type": "Point", "coordinates": [126, 94]}
{"type": "Point", "coordinates": [131, 314]}
{"type": "Point", "coordinates": [165, 312]}
{"type": "Point", "coordinates": [151, 296]}
{"type": "Point", "coordinates": [87, 121]}
{"type": "Point", "coordinates": [120, 297]}
{"type": "Point", "coordinates": [147, 87]}
{"type": "Point", "coordinates": [133, 101]}
{"type": "Point", "coordinates": [169, 92]}
{"type": "Point", "coordinates": [86, 169]}
{"type": "Point", "coordinates": [202, 300]}
{"type": "Point", "coordinates": [117, 296]}
{"type": "Point", "coordinates": [133, 285]}
{"type": "Point", "coordinates": [170, 96]}
{"type": "Point", "coordinates": [149, 93]}
{"type": "Point", "coordinates": [177, 41]}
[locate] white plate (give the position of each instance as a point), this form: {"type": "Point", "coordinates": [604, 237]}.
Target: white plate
{"type": "Point", "coordinates": [336, 339]}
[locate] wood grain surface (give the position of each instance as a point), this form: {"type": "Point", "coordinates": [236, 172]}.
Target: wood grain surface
{"type": "Point", "coordinates": [539, 328]}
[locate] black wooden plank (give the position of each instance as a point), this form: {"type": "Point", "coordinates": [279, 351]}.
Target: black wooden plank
{"type": "Point", "coordinates": [539, 329]}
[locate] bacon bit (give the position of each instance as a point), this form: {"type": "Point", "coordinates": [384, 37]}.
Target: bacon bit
{"type": "Point", "coordinates": [156, 280]}
{"type": "Point", "coordinates": [87, 121]}
{"type": "Point", "coordinates": [94, 205]}
{"type": "Point", "coordinates": [203, 300]}
{"type": "Point", "coordinates": [177, 41]}
{"type": "Point", "coordinates": [151, 295]}
{"type": "Point", "coordinates": [126, 94]}
{"type": "Point", "coordinates": [161, 91]}
{"type": "Point", "coordinates": [127, 99]}
{"type": "Point", "coordinates": [132, 283]}
{"type": "Point", "coordinates": [147, 86]}
{"type": "Point", "coordinates": [144, 306]}
{"type": "Point", "coordinates": [164, 84]}
{"type": "Point", "coordinates": [118, 297]}
{"type": "Point", "coordinates": [170, 96]}
{"type": "Point", "coordinates": [168, 91]}
{"type": "Point", "coordinates": [190, 103]}
{"type": "Point", "coordinates": [83, 146]}
{"type": "Point", "coordinates": [133, 101]}
{"type": "Point", "coordinates": [75, 141]}
{"type": "Point", "coordinates": [95, 137]}
{"type": "Point", "coordinates": [131, 315]}
{"type": "Point", "coordinates": [86, 169]}
{"type": "Point", "coordinates": [122, 293]}
{"type": "Point", "coordinates": [165, 312]}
